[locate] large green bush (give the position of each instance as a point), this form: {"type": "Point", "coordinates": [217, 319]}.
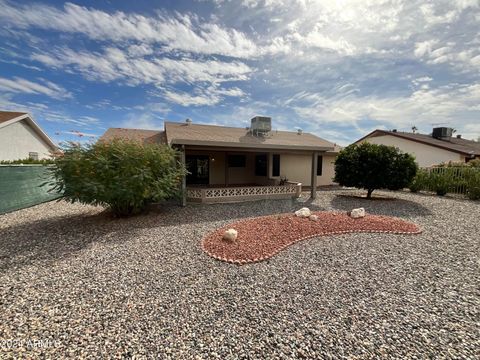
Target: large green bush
{"type": "Point", "coordinates": [124, 177]}
{"type": "Point", "coordinates": [370, 167]}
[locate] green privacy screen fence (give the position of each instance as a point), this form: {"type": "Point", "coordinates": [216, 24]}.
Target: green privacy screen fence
{"type": "Point", "coordinates": [20, 186]}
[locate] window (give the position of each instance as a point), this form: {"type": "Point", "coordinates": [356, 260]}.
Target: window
{"type": "Point", "coordinates": [319, 165]}
{"type": "Point", "coordinates": [33, 155]}
{"type": "Point", "coordinates": [236, 161]}
{"type": "Point", "coordinates": [276, 165]}
{"type": "Point", "coordinates": [261, 165]}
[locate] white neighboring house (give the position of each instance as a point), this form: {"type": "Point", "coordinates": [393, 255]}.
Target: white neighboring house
{"type": "Point", "coordinates": [439, 147]}
{"type": "Point", "coordinates": [22, 138]}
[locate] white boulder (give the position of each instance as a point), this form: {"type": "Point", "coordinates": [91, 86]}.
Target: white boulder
{"type": "Point", "coordinates": [313, 217]}
{"type": "Point", "coordinates": [230, 235]}
{"type": "Point", "coordinates": [357, 213]}
{"type": "Point", "coordinates": [303, 212]}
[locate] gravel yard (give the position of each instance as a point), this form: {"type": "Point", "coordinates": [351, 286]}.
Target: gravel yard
{"type": "Point", "coordinates": [76, 283]}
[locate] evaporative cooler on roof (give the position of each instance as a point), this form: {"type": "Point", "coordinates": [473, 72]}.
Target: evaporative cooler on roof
{"type": "Point", "coordinates": [261, 124]}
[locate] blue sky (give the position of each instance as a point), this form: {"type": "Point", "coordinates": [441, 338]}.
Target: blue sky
{"type": "Point", "coordinates": [338, 69]}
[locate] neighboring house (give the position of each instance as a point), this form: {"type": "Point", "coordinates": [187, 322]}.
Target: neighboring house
{"type": "Point", "coordinates": [226, 157]}
{"type": "Point", "coordinates": [439, 147]}
{"type": "Point", "coordinates": [22, 138]}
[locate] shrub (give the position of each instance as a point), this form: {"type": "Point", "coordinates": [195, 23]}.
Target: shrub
{"type": "Point", "coordinates": [475, 163]}
{"type": "Point", "coordinates": [370, 166]}
{"type": "Point", "coordinates": [439, 182]}
{"type": "Point", "coordinates": [473, 184]}
{"type": "Point", "coordinates": [124, 177]}
{"type": "Point", "coordinates": [420, 181]}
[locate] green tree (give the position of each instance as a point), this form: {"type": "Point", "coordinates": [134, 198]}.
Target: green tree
{"type": "Point", "coordinates": [124, 177]}
{"type": "Point", "coordinates": [370, 167]}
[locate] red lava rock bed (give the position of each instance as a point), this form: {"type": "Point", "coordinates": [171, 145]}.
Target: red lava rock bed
{"type": "Point", "coordinates": [263, 237]}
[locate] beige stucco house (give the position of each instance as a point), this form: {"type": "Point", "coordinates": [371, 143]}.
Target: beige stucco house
{"type": "Point", "coordinates": [242, 163]}
{"type": "Point", "coordinates": [439, 147]}
{"type": "Point", "coordinates": [22, 138]}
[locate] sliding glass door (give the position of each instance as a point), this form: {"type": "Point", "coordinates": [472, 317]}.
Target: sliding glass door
{"type": "Point", "coordinates": [198, 168]}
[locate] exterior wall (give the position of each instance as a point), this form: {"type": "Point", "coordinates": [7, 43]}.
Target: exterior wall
{"type": "Point", "coordinates": [18, 139]}
{"type": "Point", "coordinates": [242, 175]}
{"type": "Point", "coordinates": [297, 168]}
{"type": "Point", "coordinates": [425, 155]}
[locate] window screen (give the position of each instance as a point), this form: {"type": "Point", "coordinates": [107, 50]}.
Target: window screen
{"type": "Point", "coordinates": [276, 165]}
{"type": "Point", "coordinates": [261, 165]}
{"type": "Point", "coordinates": [319, 165]}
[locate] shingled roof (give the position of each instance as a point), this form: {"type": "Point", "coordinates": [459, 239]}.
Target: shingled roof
{"type": "Point", "coordinates": [9, 115]}
{"type": "Point", "coordinates": [458, 145]}
{"type": "Point", "coordinates": [144, 136]}
{"type": "Point", "coordinates": [222, 136]}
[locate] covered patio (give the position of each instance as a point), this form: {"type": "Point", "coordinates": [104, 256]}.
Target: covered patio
{"type": "Point", "coordinates": [240, 174]}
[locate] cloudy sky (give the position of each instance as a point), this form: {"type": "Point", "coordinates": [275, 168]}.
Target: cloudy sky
{"type": "Point", "coordinates": [338, 69]}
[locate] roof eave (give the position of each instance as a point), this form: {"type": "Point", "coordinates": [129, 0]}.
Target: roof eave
{"type": "Point", "coordinates": [250, 146]}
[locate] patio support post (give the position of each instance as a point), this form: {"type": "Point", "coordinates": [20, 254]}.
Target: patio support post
{"type": "Point", "coordinates": [313, 182]}
{"type": "Point", "coordinates": [184, 178]}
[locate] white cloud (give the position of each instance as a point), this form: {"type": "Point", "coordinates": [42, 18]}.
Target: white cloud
{"type": "Point", "coordinates": [424, 47]}
{"type": "Point", "coordinates": [116, 64]}
{"type": "Point", "coordinates": [188, 99]}
{"type": "Point", "coordinates": [20, 85]}
{"type": "Point", "coordinates": [317, 39]}
{"type": "Point", "coordinates": [454, 104]}
{"type": "Point", "coordinates": [44, 113]}
{"type": "Point", "coordinates": [145, 120]}
{"type": "Point", "coordinates": [396, 56]}
{"type": "Point", "coordinates": [178, 32]}
{"type": "Point", "coordinates": [456, 55]}
{"type": "Point", "coordinates": [201, 97]}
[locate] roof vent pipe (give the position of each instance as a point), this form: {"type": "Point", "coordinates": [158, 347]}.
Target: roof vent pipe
{"type": "Point", "coordinates": [188, 121]}
{"type": "Point", "coordinates": [299, 132]}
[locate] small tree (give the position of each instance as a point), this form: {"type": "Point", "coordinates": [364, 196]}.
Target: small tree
{"type": "Point", "coordinates": [370, 167]}
{"type": "Point", "coordinates": [124, 177]}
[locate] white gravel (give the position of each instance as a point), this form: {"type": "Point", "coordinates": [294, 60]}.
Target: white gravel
{"type": "Point", "coordinates": [76, 283]}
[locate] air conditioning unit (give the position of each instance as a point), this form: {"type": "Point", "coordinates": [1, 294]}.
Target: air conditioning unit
{"type": "Point", "coordinates": [261, 124]}
{"type": "Point", "coordinates": [442, 133]}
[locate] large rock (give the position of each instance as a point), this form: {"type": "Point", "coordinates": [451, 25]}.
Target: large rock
{"type": "Point", "coordinates": [230, 235]}
{"type": "Point", "coordinates": [303, 212]}
{"type": "Point", "coordinates": [357, 213]}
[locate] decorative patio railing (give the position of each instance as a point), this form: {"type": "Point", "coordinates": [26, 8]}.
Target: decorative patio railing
{"type": "Point", "coordinates": [243, 192]}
